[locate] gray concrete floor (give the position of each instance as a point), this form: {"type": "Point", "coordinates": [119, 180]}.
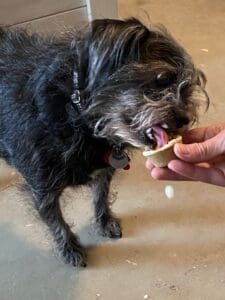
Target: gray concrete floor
{"type": "Point", "coordinates": [172, 248]}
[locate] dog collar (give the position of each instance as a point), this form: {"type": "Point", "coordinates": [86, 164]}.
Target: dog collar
{"type": "Point", "coordinates": [76, 97]}
{"type": "Point", "coordinates": [117, 158]}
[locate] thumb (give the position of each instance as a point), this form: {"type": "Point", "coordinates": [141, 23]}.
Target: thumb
{"type": "Point", "coordinates": [199, 152]}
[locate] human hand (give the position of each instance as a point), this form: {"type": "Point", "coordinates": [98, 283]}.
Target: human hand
{"type": "Point", "coordinates": [200, 158]}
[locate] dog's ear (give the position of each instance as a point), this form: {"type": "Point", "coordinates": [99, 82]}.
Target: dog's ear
{"type": "Point", "coordinates": [122, 39]}
{"type": "Point", "coordinates": [113, 43]}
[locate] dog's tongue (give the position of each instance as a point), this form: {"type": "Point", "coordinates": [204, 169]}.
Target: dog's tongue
{"type": "Point", "coordinates": [160, 136]}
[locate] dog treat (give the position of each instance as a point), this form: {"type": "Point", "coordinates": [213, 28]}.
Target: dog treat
{"type": "Point", "coordinates": [163, 153]}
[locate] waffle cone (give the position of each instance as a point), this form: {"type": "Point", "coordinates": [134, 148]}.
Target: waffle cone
{"type": "Point", "coordinates": [162, 156]}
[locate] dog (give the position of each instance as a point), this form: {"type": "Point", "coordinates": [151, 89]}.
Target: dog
{"type": "Point", "coordinates": [71, 105]}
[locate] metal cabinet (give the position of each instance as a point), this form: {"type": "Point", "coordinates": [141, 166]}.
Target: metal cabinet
{"type": "Point", "coordinates": [53, 15]}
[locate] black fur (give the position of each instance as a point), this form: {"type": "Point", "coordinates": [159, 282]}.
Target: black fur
{"type": "Point", "coordinates": [54, 144]}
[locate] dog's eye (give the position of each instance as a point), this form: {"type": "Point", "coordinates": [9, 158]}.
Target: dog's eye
{"type": "Point", "coordinates": [165, 79]}
{"type": "Point", "coordinates": [128, 120]}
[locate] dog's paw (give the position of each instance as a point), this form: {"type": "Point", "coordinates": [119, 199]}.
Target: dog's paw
{"type": "Point", "coordinates": [73, 255]}
{"type": "Point", "coordinates": [111, 229]}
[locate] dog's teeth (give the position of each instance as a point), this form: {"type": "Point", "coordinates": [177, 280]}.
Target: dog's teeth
{"type": "Point", "coordinates": [149, 133]}
{"type": "Point", "coordinates": [165, 126]}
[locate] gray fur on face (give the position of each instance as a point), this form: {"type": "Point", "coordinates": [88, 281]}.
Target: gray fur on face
{"type": "Point", "coordinates": [152, 81]}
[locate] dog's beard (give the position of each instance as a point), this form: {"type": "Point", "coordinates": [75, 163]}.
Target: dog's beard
{"type": "Point", "coordinates": [135, 113]}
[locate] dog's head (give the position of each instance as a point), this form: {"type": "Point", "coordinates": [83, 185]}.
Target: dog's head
{"type": "Point", "coordinates": [139, 77]}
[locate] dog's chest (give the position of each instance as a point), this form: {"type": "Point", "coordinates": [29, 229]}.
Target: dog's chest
{"type": "Point", "coordinates": [84, 166]}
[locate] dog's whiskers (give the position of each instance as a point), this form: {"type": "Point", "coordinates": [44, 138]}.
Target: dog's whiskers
{"type": "Point", "coordinates": [180, 87]}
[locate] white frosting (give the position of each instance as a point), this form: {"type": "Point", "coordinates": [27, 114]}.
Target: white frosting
{"type": "Point", "coordinates": [169, 191]}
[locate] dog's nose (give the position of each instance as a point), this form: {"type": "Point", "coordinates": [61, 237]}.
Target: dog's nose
{"type": "Point", "coordinates": [181, 121]}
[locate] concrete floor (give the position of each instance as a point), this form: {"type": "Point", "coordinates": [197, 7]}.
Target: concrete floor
{"type": "Point", "coordinates": [171, 248]}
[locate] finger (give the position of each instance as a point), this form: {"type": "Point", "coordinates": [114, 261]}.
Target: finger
{"type": "Point", "coordinates": [166, 174]}
{"type": "Point", "coordinates": [208, 175]}
{"type": "Point", "coordinates": [163, 173]}
{"type": "Point", "coordinates": [149, 165]}
{"type": "Point", "coordinates": [201, 134]}
{"type": "Point", "coordinates": [200, 152]}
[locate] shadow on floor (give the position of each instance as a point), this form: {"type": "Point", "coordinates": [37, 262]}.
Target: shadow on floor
{"type": "Point", "coordinates": [30, 273]}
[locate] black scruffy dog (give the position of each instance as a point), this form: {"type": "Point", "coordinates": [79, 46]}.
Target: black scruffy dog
{"type": "Point", "coordinates": [70, 105]}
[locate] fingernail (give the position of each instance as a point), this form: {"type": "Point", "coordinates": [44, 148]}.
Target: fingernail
{"type": "Point", "coordinates": [153, 174]}
{"type": "Point", "coordinates": [170, 164]}
{"type": "Point", "coordinates": [149, 165]}
{"type": "Point", "coordinates": [181, 149]}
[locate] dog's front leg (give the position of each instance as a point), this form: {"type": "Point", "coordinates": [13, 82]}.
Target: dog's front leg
{"type": "Point", "coordinates": [109, 225]}
{"type": "Point", "coordinates": [47, 204]}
